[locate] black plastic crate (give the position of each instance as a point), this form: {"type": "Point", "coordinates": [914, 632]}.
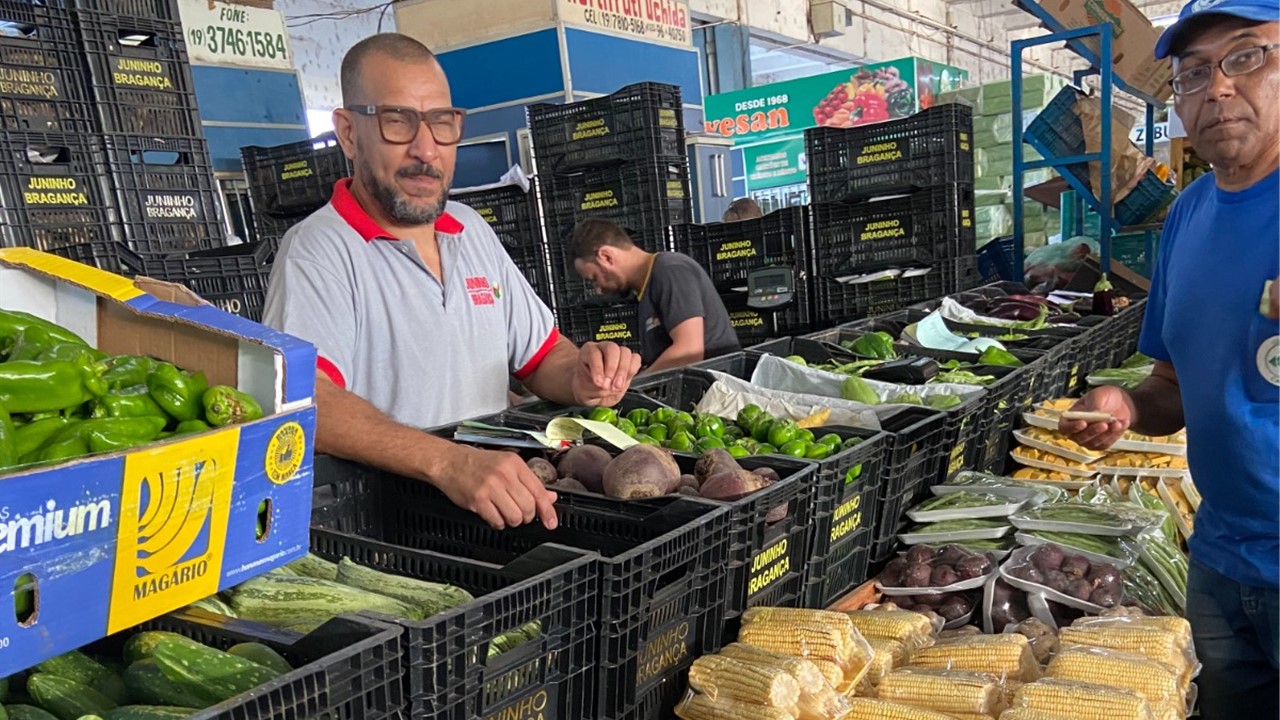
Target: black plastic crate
{"type": "Point", "coordinates": [168, 200]}
{"type": "Point", "coordinates": [841, 302]}
{"type": "Point", "coordinates": [962, 274]}
{"type": "Point", "coordinates": [53, 198]}
{"type": "Point", "coordinates": [269, 231]}
{"type": "Point", "coordinates": [511, 211]}
{"type": "Point", "coordinates": [610, 323]}
{"type": "Point", "coordinates": [294, 178]}
{"type": "Point", "coordinates": [556, 586]}
{"type": "Point", "coordinates": [927, 225]}
{"type": "Point", "coordinates": [928, 149]}
{"type": "Point", "coordinates": [161, 10]}
{"type": "Point", "coordinates": [659, 561]}
{"type": "Point", "coordinates": [349, 667]}
{"type": "Point", "coordinates": [42, 87]}
{"type": "Point", "coordinates": [139, 75]}
{"type": "Point", "coordinates": [889, 522]}
{"type": "Point", "coordinates": [839, 572]}
{"type": "Point", "coordinates": [235, 279]}
{"type": "Point", "coordinates": [640, 122]}
{"type": "Point", "coordinates": [729, 251]}
{"type": "Point", "coordinates": [756, 326]}
{"type": "Point", "coordinates": [531, 261]}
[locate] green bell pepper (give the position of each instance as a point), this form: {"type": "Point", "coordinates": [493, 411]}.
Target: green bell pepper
{"type": "Point", "coordinates": [31, 437]}
{"type": "Point", "coordinates": [225, 405]}
{"type": "Point", "coordinates": [128, 370]}
{"type": "Point", "coordinates": [72, 353]}
{"type": "Point", "coordinates": [875, 345]}
{"type": "Point", "coordinates": [102, 435]}
{"type": "Point", "coordinates": [8, 441]}
{"type": "Point", "coordinates": [179, 393]}
{"type": "Point", "coordinates": [63, 450]}
{"type": "Point", "coordinates": [13, 322]}
{"type": "Point", "coordinates": [128, 402]}
{"type": "Point", "coordinates": [30, 343]}
{"type": "Point", "coordinates": [28, 386]}
{"type": "Point", "coordinates": [191, 426]}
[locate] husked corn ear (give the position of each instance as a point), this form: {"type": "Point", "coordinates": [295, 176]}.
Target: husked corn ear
{"type": "Point", "coordinates": [973, 716]}
{"type": "Point", "coordinates": [806, 673]}
{"type": "Point", "coordinates": [807, 639]}
{"type": "Point", "coordinates": [1155, 681]}
{"type": "Point", "coordinates": [1006, 656]}
{"type": "Point", "coordinates": [912, 629]}
{"type": "Point", "coordinates": [1025, 714]}
{"type": "Point", "coordinates": [1082, 700]}
{"type": "Point", "coordinates": [796, 615]}
{"type": "Point", "coordinates": [720, 678]}
{"type": "Point", "coordinates": [702, 707]}
{"type": "Point", "coordinates": [885, 656]}
{"type": "Point", "coordinates": [867, 709]}
{"type": "Point", "coordinates": [831, 672]}
{"type": "Point", "coordinates": [1152, 643]}
{"type": "Point", "coordinates": [1178, 626]}
{"type": "Point", "coordinates": [943, 690]}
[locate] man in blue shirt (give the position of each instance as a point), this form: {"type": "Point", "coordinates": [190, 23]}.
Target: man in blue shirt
{"type": "Point", "coordinates": [1211, 325]}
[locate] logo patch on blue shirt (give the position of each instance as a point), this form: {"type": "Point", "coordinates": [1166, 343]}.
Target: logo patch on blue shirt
{"type": "Point", "coordinates": [1269, 360]}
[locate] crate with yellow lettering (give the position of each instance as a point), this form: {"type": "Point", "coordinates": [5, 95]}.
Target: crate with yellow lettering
{"type": "Point", "coordinates": [42, 86]}
{"type": "Point", "coordinates": [94, 545]}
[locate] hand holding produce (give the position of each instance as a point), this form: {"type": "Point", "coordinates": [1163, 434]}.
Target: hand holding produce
{"type": "Point", "coordinates": [603, 373]}
{"type": "Point", "coordinates": [1099, 435]}
{"type": "Point", "coordinates": [497, 486]}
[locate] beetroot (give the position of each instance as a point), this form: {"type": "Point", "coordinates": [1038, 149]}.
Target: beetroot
{"type": "Point", "coordinates": [916, 575]}
{"type": "Point", "coordinates": [1075, 566]}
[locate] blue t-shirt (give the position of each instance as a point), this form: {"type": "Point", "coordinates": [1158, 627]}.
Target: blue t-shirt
{"type": "Point", "coordinates": [1218, 250]}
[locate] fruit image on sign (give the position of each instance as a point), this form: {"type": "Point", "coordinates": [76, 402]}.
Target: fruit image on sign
{"type": "Point", "coordinates": [868, 97]}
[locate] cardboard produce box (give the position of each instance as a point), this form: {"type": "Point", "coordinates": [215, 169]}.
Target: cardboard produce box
{"type": "Point", "coordinates": [103, 543]}
{"type": "Point", "coordinates": [1133, 41]}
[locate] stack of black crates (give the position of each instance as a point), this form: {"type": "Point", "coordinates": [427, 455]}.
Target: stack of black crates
{"type": "Point", "coordinates": [102, 157]}
{"type": "Point", "coordinates": [898, 196]}
{"type": "Point", "coordinates": [289, 182]}
{"type": "Point", "coordinates": [622, 158]}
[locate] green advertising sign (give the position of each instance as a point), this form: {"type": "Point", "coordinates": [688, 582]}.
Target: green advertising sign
{"type": "Point", "coordinates": [776, 164]}
{"type": "Point", "coordinates": [844, 98]}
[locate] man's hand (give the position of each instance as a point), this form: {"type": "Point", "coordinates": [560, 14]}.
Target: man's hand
{"type": "Point", "coordinates": [1101, 435]}
{"type": "Point", "coordinates": [497, 486]}
{"type": "Point", "coordinates": [603, 373]}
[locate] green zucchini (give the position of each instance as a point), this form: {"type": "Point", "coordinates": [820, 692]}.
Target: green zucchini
{"type": "Point", "coordinates": [150, 712]}
{"type": "Point", "coordinates": [4, 714]}
{"type": "Point", "coordinates": [4, 688]}
{"type": "Point", "coordinates": [429, 597]}
{"type": "Point", "coordinates": [210, 672]}
{"type": "Point", "coordinates": [148, 685]}
{"type": "Point", "coordinates": [511, 640]}
{"type": "Point", "coordinates": [280, 600]}
{"type": "Point", "coordinates": [67, 699]}
{"type": "Point", "coordinates": [215, 605]}
{"type": "Point", "coordinates": [143, 645]}
{"type": "Point", "coordinates": [83, 669]}
{"type": "Point", "coordinates": [314, 566]}
{"type": "Point", "coordinates": [28, 712]}
{"type": "Point", "coordinates": [261, 654]}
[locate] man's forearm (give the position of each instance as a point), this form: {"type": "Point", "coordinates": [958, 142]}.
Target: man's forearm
{"type": "Point", "coordinates": [553, 380]}
{"type": "Point", "coordinates": [1158, 406]}
{"type": "Point", "coordinates": [350, 427]}
{"type": "Point", "coordinates": [675, 357]}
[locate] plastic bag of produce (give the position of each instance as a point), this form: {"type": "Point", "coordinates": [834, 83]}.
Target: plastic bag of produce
{"type": "Point", "coordinates": [957, 531]}
{"type": "Point", "coordinates": [1041, 635]}
{"type": "Point", "coordinates": [1003, 605]}
{"type": "Point", "coordinates": [947, 691]}
{"type": "Point", "coordinates": [1110, 519]}
{"type": "Point", "coordinates": [697, 706]}
{"type": "Point", "coordinates": [964, 505]}
{"type": "Point", "coordinates": [1071, 580]}
{"type": "Point", "coordinates": [1056, 264]}
{"type": "Point", "coordinates": [780, 374]}
{"type": "Point", "coordinates": [824, 637]}
{"type": "Point", "coordinates": [728, 395]}
{"type": "Point", "coordinates": [914, 630]}
{"type": "Point", "coordinates": [1160, 684]}
{"type": "Point", "coordinates": [818, 698]}
{"type": "Point", "coordinates": [885, 656]}
{"type": "Point", "coordinates": [1163, 638]}
{"type": "Point", "coordinates": [1012, 488]}
{"type": "Point", "coordinates": [926, 571]}
{"type": "Point", "coordinates": [1082, 701]}
{"type": "Point", "coordinates": [868, 709]}
{"type": "Point", "coordinates": [1006, 656]}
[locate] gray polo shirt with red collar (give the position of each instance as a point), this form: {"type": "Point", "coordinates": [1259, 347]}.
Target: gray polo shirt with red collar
{"type": "Point", "coordinates": [424, 351]}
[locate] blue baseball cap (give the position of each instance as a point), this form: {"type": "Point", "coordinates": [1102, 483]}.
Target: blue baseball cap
{"type": "Point", "coordinates": [1257, 10]}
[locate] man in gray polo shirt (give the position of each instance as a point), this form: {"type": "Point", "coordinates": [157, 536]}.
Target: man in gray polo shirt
{"type": "Point", "coordinates": [419, 315]}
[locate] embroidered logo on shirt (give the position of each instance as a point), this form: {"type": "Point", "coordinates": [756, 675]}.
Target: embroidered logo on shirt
{"type": "Point", "coordinates": [497, 291]}
{"type": "Point", "coordinates": [1269, 360]}
{"type": "Point", "coordinates": [481, 292]}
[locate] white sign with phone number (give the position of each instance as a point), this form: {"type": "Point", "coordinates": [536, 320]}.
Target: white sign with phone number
{"type": "Point", "coordinates": [220, 33]}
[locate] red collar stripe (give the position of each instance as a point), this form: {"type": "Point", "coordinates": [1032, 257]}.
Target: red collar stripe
{"type": "Point", "coordinates": [358, 218]}
{"type": "Point", "coordinates": [532, 366]}
{"type": "Point", "coordinates": [331, 371]}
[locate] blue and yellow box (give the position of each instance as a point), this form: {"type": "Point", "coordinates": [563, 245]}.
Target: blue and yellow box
{"type": "Point", "coordinates": [111, 541]}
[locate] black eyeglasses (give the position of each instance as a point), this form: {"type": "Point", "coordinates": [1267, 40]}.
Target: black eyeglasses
{"type": "Point", "coordinates": [1240, 62]}
{"type": "Point", "coordinates": [400, 125]}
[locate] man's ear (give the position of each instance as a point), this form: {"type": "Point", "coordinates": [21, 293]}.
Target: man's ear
{"type": "Point", "coordinates": [606, 256]}
{"type": "Point", "coordinates": [344, 128]}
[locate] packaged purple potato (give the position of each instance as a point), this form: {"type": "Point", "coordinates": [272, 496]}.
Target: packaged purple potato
{"type": "Point", "coordinates": [924, 571]}
{"type": "Point", "coordinates": [1071, 580]}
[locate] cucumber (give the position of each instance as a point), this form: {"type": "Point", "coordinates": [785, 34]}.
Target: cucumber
{"type": "Point", "coordinates": [261, 654]}
{"type": "Point", "coordinates": [314, 566]}
{"type": "Point", "coordinates": [67, 699]}
{"type": "Point", "coordinates": [279, 600]}
{"type": "Point", "coordinates": [83, 669]}
{"type": "Point", "coordinates": [150, 712]}
{"type": "Point", "coordinates": [4, 714]}
{"type": "Point", "coordinates": [27, 712]}
{"type": "Point", "coordinates": [148, 685]}
{"type": "Point", "coordinates": [211, 672]}
{"type": "Point", "coordinates": [431, 598]}
{"type": "Point", "coordinates": [143, 645]}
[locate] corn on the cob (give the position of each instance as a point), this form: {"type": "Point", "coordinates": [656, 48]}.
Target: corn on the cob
{"type": "Point", "coordinates": [725, 678]}
{"type": "Point", "coordinates": [1084, 701]}
{"type": "Point", "coordinates": [885, 656]}
{"type": "Point", "coordinates": [787, 616]}
{"type": "Point", "coordinates": [1007, 656]}
{"type": "Point", "coordinates": [912, 629]}
{"type": "Point", "coordinates": [867, 709]}
{"type": "Point", "coordinates": [806, 673]}
{"type": "Point", "coordinates": [1178, 626]}
{"type": "Point", "coordinates": [812, 640]}
{"type": "Point", "coordinates": [1152, 643]}
{"type": "Point", "coordinates": [833, 674]}
{"type": "Point", "coordinates": [1026, 714]}
{"type": "Point", "coordinates": [701, 707]}
{"type": "Point", "coordinates": [943, 690]}
{"type": "Point", "coordinates": [973, 716]}
{"type": "Point", "coordinates": [1155, 681]}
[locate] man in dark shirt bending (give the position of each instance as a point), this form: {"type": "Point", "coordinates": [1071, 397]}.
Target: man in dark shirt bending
{"type": "Point", "coordinates": [681, 318]}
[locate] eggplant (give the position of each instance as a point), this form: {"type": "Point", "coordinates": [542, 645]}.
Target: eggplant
{"type": "Point", "coordinates": [1065, 318]}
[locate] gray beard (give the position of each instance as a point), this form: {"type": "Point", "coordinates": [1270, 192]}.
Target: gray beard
{"type": "Point", "coordinates": [399, 208]}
